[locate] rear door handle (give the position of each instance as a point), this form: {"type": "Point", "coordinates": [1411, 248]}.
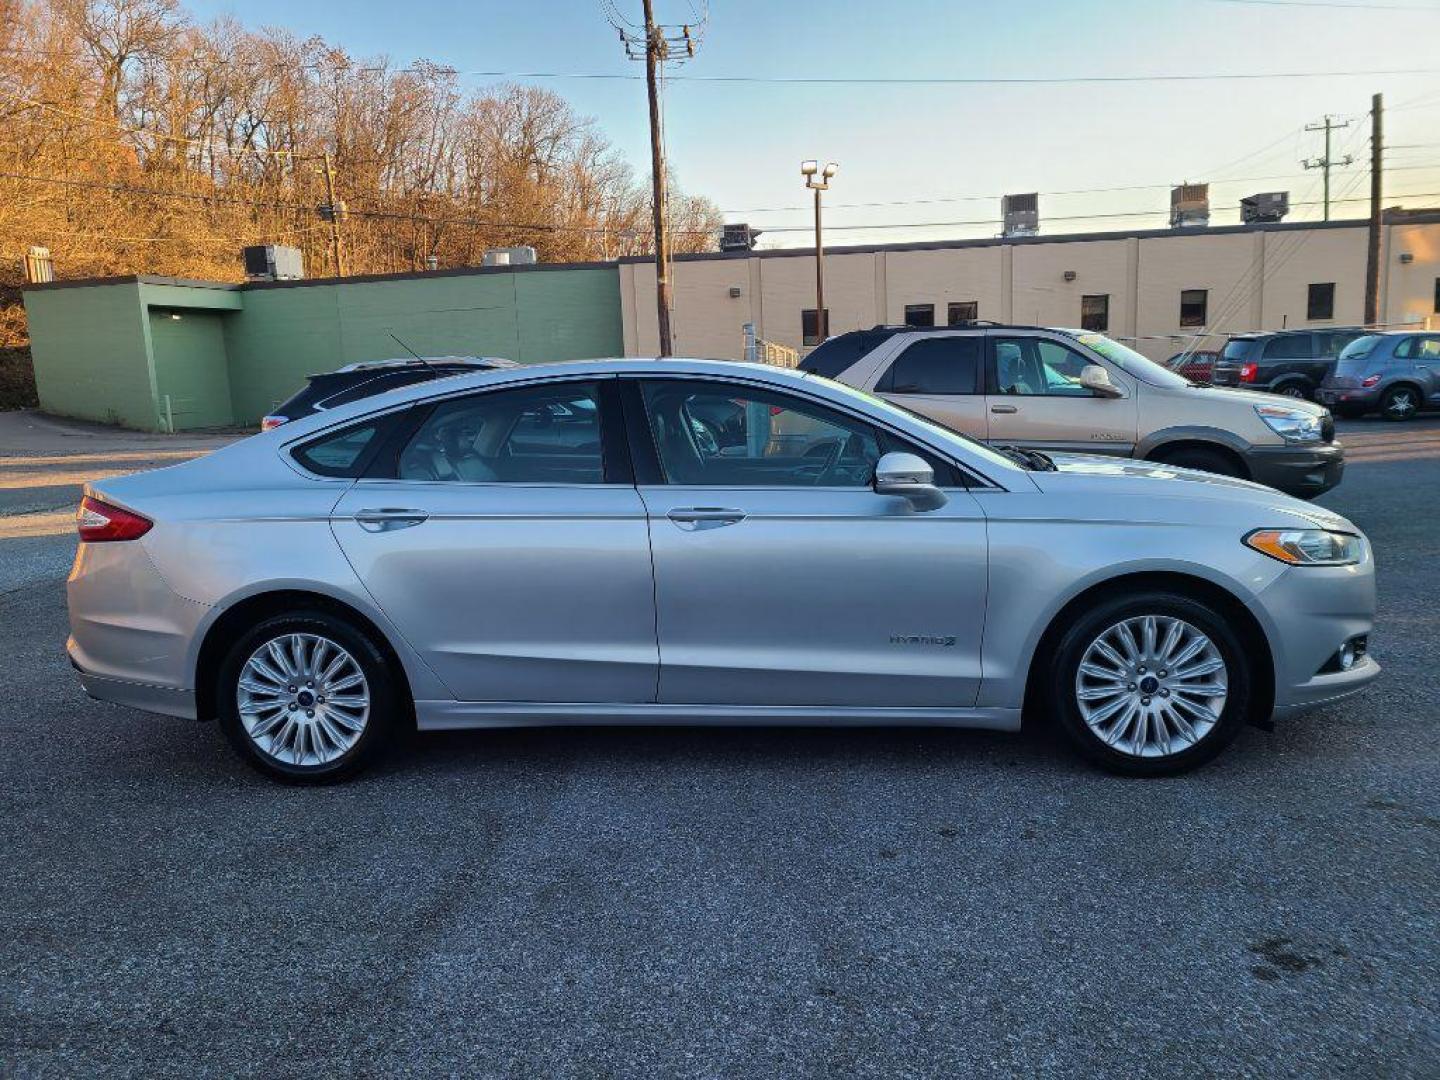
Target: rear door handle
{"type": "Point", "coordinates": [1003, 408]}
{"type": "Point", "coordinates": [705, 517]}
{"type": "Point", "coordinates": [389, 518]}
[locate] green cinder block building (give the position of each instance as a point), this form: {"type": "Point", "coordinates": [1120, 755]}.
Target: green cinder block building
{"type": "Point", "coordinates": [161, 354]}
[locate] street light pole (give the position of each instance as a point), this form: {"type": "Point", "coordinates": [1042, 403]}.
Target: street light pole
{"type": "Point", "coordinates": [818, 180]}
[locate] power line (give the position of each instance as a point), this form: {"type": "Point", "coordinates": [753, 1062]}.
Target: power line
{"type": "Point", "coordinates": [822, 80]}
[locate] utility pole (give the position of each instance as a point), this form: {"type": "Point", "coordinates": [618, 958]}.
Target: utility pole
{"type": "Point", "coordinates": [333, 211]}
{"type": "Point", "coordinates": [1327, 125]}
{"type": "Point", "coordinates": [1372, 253]}
{"type": "Point", "coordinates": [655, 47]}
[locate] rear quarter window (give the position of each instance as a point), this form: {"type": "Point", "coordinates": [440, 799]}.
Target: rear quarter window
{"type": "Point", "coordinates": [339, 453]}
{"type": "Point", "coordinates": [1237, 350]}
{"type": "Point", "coordinates": [838, 354]}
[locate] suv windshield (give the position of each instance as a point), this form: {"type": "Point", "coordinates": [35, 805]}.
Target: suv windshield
{"type": "Point", "coordinates": [1130, 361]}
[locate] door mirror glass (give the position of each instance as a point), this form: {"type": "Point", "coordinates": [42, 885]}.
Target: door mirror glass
{"type": "Point", "coordinates": [910, 477]}
{"type": "Point", "coordinates": [1096, 379]}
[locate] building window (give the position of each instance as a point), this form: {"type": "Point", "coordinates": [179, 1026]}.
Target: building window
{"type": "Point", "coordinates": [809, 333]}
{"type": "Point", "coordinates": [1437, 296]}
{"type": "Point", "coordinates": [1095, 313]}
{"type": "Point", "coordinates": [1193, 305]}
{"type": "Point", "coordinates": [963, 311]}
{"type": "Point", "coordinates": [919, 314]}
{"type": "Point", "coordinates": [1320, 303]}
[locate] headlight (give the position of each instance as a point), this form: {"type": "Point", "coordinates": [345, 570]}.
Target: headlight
{"type": "Point", "coordinates": [1296, 425]}
{"type": "Point", "coordinates": [1307, 547]}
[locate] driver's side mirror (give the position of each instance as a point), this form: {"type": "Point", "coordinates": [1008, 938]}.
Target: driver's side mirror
{"type": "Point", "coordinates": [1097, 380]}
{"type": "Point", "coordinates": [909, 477]}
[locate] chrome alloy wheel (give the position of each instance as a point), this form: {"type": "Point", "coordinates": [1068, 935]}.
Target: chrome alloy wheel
{"type": "Point", "coordinates": [303, 699]}
{"type": "Point", "coordinates": [1151, 686]}
{"type": "Point", "coordinates": [1402, 402]}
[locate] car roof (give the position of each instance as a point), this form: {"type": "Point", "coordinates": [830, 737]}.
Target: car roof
{"type": "Point", "coordinates": [426, 361]}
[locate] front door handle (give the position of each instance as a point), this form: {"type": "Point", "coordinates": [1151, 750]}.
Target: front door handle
{"type": "Point", "coordinates": [389, 518]}
{"type": "Point", "coordinates": [705, 517]}
{"type": "Point", "coordinates": [1003, 408]}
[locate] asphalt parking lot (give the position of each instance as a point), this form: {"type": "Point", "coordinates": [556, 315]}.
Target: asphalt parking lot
{"type": "Point", "coordinates": [751, 902]}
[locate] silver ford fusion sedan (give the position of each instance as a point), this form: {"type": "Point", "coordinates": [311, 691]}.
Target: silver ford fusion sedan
{"type": "Point", "coordinates": [683, 541]}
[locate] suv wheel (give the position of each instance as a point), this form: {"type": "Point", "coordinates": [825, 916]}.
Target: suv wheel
{"type": "Point", "coordinates": [307, 697]}
{"type": "Point", "coordinates": [1293, 390]}
{"type": "Point", "coordinates": [1400, 403]}
{"type": "Point", "coordinates": [1150, 685]}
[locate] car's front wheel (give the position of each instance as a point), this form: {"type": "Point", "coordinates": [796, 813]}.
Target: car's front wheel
{"type": "Point", "coordinates": [1150, 685]}
{"type": "Point", "coordinates": [307, 697]}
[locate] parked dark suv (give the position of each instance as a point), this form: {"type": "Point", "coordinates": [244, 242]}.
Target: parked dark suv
{"type": "Point", "coordinates": [1395, 374]}
{"type": "Point", "coordinates": [355, 381]}
{"type": "Point", "coordinates": [1289, 362]}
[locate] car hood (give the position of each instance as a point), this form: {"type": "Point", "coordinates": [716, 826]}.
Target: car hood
{"type": "Point", "coordinates": [1254, 397]}
{"type": "Point", "coordinates": [1092, 475]}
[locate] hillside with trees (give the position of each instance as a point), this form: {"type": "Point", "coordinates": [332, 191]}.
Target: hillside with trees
{"type": "Point", "coordinates": [134, 140]}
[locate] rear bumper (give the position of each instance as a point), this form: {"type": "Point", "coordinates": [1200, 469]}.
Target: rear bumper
{"type": "Point", "coordinates": [157, 699]}
{"type": "Point", "coordinates": [1304, 471]}
{"type": "Point", "coordinates": [1345, 397]}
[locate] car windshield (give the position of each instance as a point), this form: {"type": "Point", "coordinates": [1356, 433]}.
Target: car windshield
{"type": "Point", "coordinates": [1132, 362]}
{"type": "Point", "coordinates": [941, 433]}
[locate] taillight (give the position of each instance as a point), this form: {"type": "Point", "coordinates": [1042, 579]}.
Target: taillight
{"type": "Point", "coordinates": [269, 423]}
{"type": "Point", "coordinates": [1247, 372]}
{"type": "Point", "coordinates": [99, 522]}
{"type": "Point", "coordinates": [1369, 380]}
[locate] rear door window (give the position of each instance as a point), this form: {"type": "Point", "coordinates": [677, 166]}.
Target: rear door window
{"type": "Point", "coordinates": [1289, 347]}
{"type": "Point", "coordinates": [1419, 348]}
{"type": "Point", "coordinates": [939, 365]}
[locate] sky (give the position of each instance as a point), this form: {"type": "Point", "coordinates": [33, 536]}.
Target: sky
{"type": "Point", "coordinates": [939, 156]}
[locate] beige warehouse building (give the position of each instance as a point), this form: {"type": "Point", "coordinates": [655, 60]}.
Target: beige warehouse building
{"type": "Point", "coordinates": [1160, 288]}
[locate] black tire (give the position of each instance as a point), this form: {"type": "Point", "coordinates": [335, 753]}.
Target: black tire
{"type": "Point", "coordinates": [1064, 665]}
{"type": "Point", "coordinates": [1293, 389]}
{"type": "Point", "coordinates": [1391, 401]}
{"type": "Point", "coordinates": [1204, 459]}
{"type": "Point", "coordinates": [386, 698]}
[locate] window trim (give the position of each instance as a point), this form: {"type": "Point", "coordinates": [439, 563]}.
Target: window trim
{"type": "Point", "coordinates": [822, 333]}
{"type": "Point", "coordinates": [921, 307]}
{"type": "Point", "coordinates": [951, 305]}
{"type": "Point", "coordinates": [1310, 315]}
{"type": "Point", "coordinates": [1106, 318]}
{"type": "Point", "coordinates": [1205, 313]}
{"type": "Point", "coordinates": [648, 473]}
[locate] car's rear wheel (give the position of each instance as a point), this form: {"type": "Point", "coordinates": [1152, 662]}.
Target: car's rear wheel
{"type": "Point", "coordinates": [1293, 390]}
{"type": "Point", "coordinates": [1150, 685]}
{"type": "Point", "coordinates": [307, 697]}
{"type": "Point", "coordinates": [1202, 458]}
{"type": "Point", "coordinates": [1400, 403]}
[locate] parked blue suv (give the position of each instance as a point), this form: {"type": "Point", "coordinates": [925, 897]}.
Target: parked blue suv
{"type": "Point", "coordinates": [1396, 374]}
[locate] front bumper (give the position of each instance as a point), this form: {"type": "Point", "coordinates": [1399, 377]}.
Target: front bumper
{"type": "Point", "coordinates": [1311, 611]}
{"type": "Point", "coordinates": [1305, 471]}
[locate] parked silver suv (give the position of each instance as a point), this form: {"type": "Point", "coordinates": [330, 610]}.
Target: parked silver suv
{"type": "Point", "coordinates": [1075, 391]}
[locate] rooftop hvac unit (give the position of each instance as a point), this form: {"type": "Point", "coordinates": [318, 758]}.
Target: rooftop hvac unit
{"type": "Point", "coordinates": [1021, 214]}
{"type": "Point", "coordinates": [738, 238]}
{"type": "Point", "coordinates": [508, 256]}
{"type": "Point", "coordinates": [1189, 205]}
{"type": "Point", "coordinates": [273, 262]}
{"type": "Point", "coordinates": [1267, 206]}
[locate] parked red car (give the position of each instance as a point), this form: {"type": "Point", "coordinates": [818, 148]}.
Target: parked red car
{"type": "Point", "coordinates": [1195, 366]}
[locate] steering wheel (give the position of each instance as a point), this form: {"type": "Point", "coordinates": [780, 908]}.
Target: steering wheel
{"type": "Point", "coordinates": [705, 440]}
{"type": "Point", "coordinates": [832, 458]}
